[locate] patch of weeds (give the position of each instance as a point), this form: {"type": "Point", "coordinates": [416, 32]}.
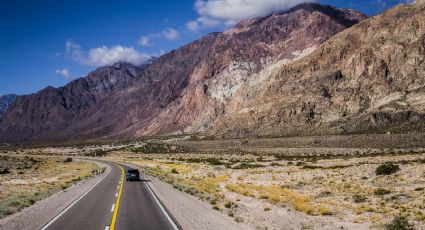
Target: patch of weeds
{"type": "Point", "coordinates": [214, 161]}
{"type": "Point", "coordinates": [300, 163]}
{"type": "Point", "coordinates": [324, 211]}
{"type": "Point", "coordinates": [419, 189]}
{"type": "Point", "coordinates": [68, 160]}
{"type": "Point", "coordinates": [358, 198]}
{"type": "Point", "coordinates": [215, 207]}
{"type": "Point", "coordinates": [174, 171]}
{"type": "Point", "coordinates": [158, 148]}
{"type": "Point", "coordinates": [381, 192]}
{"type": "Point", "coordinates": [324, 194]}
{"type": "Point", "coordinates": [248, 166]}
{"type": "Point", "coordinates": [4, 171]}
{"type": "Point", "coordinates": [266, 209]}
{"type": "Point", "coordinates": [228, 204]}
{"type": "Point", "coordinates": [387, 169]}
{"type": "Point", "coordinates": [399, 223]}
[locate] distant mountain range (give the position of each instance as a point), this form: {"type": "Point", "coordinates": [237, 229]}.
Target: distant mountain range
{"type": "Point", "coordinates": [311, 70]}
{"type": "Point", "coordinates": [5, 102]}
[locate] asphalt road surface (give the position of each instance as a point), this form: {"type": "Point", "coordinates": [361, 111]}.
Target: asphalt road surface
{"type": "Point", "coordinates": [108, 205]}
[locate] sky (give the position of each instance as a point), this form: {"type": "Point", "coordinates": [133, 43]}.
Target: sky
{"type": "Point", "coordinates": [49, 42]}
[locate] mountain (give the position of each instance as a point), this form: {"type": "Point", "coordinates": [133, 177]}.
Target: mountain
{"type": "Point", "coordinates": [5, 102]}
{"type": "Point", "coordinates": [187, 90]}
{"type": "Point", "coordinates": [370, 77]}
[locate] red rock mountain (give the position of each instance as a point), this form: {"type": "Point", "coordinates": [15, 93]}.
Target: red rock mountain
{"type": "Point", "coordinates": [370, 77]}
{"type": "Point", "coordinates": [187, 90]}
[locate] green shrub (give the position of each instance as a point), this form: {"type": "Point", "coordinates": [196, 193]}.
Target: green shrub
{"type": "Point", "coordinates": [387, 169]}
{"type": "Point", "coordinates": [399, 223]}
{"type": "Point", "coordinates": [174, 171]}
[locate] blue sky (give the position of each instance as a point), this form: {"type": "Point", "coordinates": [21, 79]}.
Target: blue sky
{"type": "Point", "coordinates": [50, 42]}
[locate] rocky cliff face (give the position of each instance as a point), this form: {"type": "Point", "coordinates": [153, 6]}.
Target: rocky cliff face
{"type": "Point", "coordinates": [5, 102]}
{"type": "Point", "coordinates": [233, 57]}
{"type": "Point", "coordinates": [368, 77]}
{"type": "Point", "coordinates": [187, 90]}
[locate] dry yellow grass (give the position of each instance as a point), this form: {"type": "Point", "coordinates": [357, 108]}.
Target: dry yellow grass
{"type": "Point", "coordinates": [32, 179]}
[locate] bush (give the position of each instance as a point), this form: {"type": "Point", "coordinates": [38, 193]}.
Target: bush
{"type": "Point", "coordinates": [4, 171]}
{"type": "Point", "coordinates": [67, 160]}
{"type": "Point", "coordinates": [399, 223]}
{"type": "Point", "coordinates": [387, 169]}
{"type": "Point", "coordinates": [174, 171]}
{"type": "Point", "coordinates": [381, 192]}
{"type": "Point", "coordinates": [359, 198]}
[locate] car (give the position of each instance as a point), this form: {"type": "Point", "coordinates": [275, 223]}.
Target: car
{"type": "Point", "coordinates": [132, 175]}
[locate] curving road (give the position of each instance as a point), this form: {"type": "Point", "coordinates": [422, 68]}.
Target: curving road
{"type": "Point", "coordinates": [114, 203]}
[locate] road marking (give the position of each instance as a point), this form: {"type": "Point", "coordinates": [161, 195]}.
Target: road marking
{"type": "Point", "coordinates": [73, 203]}
{"type": "Point", "coordinates": [107, 227]}
{"type": "Point", "coordinates": [161, 206]}
{"type": "Point", "coordinates": [116, 195]}
{"type": "Point", "coordinates": [117, 203]}
{"type": "Point", "coordinates": [113, 207]}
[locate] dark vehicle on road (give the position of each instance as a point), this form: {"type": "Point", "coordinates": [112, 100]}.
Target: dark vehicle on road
{"type": "Point", "coordinates": [132, 175]}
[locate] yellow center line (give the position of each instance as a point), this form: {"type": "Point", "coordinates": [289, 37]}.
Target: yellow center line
{"type": "Point", "coordinates": [117, 203]}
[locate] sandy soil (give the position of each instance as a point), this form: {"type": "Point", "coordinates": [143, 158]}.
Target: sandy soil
{"type": "Point", "coordinates": [39, 213]}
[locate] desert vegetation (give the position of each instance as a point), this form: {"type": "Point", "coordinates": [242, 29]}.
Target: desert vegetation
{"type": "Point", "coordinates": [366, 191]}
{"type": "Point", "coordinates": [25, 180]}
{"type": "Point", "coordinates": [316, 183]}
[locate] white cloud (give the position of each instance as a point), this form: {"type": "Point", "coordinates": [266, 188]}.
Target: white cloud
{"type": "Point", "coordinates": [64, 73]}
{"type": "Point", "coordinates": [145, 41]}
{"type": "Point", "coordinates": [229, 12]}
{"type": "Point", "coordinates": [105, 55]}
{"type": "Point", "coordinates": [170, 34]}
{"type": "Point", "coordinates": [192, 26]}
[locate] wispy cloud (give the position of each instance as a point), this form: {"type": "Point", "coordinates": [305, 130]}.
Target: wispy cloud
{"type": "Point", "coordinates": [167, 34]}
{"type": "Point", "coordinates": [104, 55]}
{"type": "Point", "coordinates": [212, 13]}
{"type": "Point", "coordinates": [64, 73]}
{"type": "Point", "coordinates": [170, 34]}
{"type": "Point", "coordinates": [145, 41]}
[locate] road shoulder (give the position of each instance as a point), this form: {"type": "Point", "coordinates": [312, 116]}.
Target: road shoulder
{"type": "Point", "coordinates": [37, 215]}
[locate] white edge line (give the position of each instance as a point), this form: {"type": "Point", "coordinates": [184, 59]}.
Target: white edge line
{"type": "Point", "coordinates": [107, 227]}
{"type": "Point", "coordinates": [116, 195]}
{"type": "Point", "coordinates": [160, 205]}
{"type": "Point", "coordinates": [113, 208]}
{"type": "Point", "coordinates": [73, 203]}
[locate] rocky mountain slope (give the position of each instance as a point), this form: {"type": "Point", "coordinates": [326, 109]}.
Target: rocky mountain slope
{"type": "Point", "coordinates": [188, 89]}
{"type": "Point", "coordinates": [368, 77]}
{"type": "Point", "coordinates": [5, 102]}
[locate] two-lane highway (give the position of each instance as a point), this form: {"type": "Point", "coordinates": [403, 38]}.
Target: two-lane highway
{"type": "Point", "coordinates": [114, 203]}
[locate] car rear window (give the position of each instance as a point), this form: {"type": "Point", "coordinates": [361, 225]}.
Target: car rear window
{"type": "Point", "coordinates": [133, 171]}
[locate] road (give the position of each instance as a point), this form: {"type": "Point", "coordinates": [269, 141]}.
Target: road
{"type": "Point", "coordinates": [114, 203]}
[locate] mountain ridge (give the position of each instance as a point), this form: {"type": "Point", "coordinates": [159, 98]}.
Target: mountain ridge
{"type": "Point", "coordinates": [368, 77]}
{"type": "Point", "coordinates": [185, 90]}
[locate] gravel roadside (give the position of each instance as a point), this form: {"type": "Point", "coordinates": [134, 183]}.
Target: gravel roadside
{"type": "Point", "coordinates": [37, 215]}
{"type": "Point", "coordinates": [190, 212]}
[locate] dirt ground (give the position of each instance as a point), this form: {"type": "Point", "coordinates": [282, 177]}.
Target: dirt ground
{"type": "Point", "coordinates": [332, 182]}
{"type": "Point", "coordinates": [25, 180]}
